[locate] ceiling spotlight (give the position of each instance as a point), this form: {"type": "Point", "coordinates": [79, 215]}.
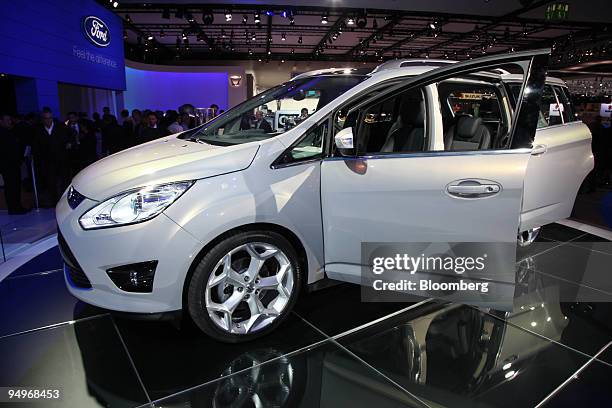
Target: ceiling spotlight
{"type": "Point", "coordinates": [250, 51]}
{"type": "Point", "coordinates": [189, 17]}
{"type": "Point", "coordinates": [269, 13]}
{"type": "Point", "coordinates": [150, 37]}
{"type": "Point", "coordinates": [433, 25]}
{"type": "Point", "coordinates": [245, 19]}
{"type": "Point", "coordinates": [208, 17]}
{"type": "Point", "coordinates": [254, 37]}
{"type": "Point", "coordinates": [324, 20]}
{"type": "Point", "coordinates": [350, 21]}
{"type": "Point", "coordinates": [284, 14]}
{"type": "Point", "coordinates": [200, 37]}
{"type": "Point", "coordinates": [291, 20]}
{"type": "Point", "coordinates": [293, 50]}
{"type": "Point", "coordinates": [256, 18]}
{"type": "Point", "coordinates": [184, 35]}
{"type": "Point", "coordinates": [125, 34]}
{"type": "Point", "coordinates": [228, 16]}
{"type": "Point", "coordinates": [128, 18]}
{"type": "Point", "coordinates": [300, 39]}
{"type": "Point", "coordinates": [283, 37]}
{"type": "Point", "coordinates": [115, 4]}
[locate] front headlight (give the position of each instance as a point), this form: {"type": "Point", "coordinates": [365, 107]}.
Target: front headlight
{"type": "Point", "coordinates": [133, 206]}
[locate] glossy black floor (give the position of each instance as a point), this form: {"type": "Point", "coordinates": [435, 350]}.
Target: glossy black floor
{"type": "Point", "coordinates": [334, 351]}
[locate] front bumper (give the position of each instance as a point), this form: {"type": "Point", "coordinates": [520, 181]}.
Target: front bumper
{"type": "Point", "coordinates": [88, 255]}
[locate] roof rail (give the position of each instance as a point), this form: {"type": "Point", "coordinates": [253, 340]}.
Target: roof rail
{"type": "Point", "coordinates": [413, 62]}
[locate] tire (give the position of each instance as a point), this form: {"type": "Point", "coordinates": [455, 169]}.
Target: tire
{"type": "Point", "coordinates": [245, 286]}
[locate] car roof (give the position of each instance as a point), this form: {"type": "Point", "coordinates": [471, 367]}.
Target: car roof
{"type": "Point", "coordinates": [412, 66]}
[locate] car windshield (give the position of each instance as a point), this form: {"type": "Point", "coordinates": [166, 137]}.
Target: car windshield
{"type": "Point", "coordinates": [274, 111]}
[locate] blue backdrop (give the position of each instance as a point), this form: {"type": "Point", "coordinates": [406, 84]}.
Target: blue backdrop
{"type": "Point", "coordinates": [168, 90]}
{"type": "Point", "coordinates": [43, 39]}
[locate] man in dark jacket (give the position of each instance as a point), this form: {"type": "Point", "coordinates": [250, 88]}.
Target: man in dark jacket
{"type": "Point", "coordinates": [53, 142]}
{"type": "Point", "coordinates": [152, 131]}
{"type": "Point", "coordinates": [11, 156]}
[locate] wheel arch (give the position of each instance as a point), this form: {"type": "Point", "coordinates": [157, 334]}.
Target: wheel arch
{"type": "Point", "coordinates": [258, 226]}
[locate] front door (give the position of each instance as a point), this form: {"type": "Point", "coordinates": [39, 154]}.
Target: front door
{"type": "Point", "coordinates": [399, 186]}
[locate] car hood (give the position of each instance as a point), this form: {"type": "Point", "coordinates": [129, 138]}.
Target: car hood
{"type": "Point", "coordinates": [161, 161]}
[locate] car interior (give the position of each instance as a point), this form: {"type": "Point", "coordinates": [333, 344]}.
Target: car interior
{"type": "Point", "coordinates": [396, 124]}
{"type": "Point", "coordinates": [472, 116]}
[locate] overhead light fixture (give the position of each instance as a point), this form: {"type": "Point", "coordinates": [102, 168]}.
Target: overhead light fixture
{"type": "Point", "coordinates": [125, 34]}
{"type": "Point", "coordinates": [300, 39]}
{"type": "Point", "coordinates": [291, 20]}
{"type": "Point", "coordinates": [284, 14]}
{"type": "Point", "coordinates": [184, 35]}
{"type": "Point", "coordinates": [283, 37]}
{"type": "Point", "coordinates": [250, 51]}
{"type": "Point", "coordinates": [128, 18]}
{"type": "Point", "coordinates": [208, 17]}
{"type": "Point", "coordinates": [433, 25]}
{"type": "Point", "coordinates": [235, 80]}
{"type": "Point", "coordinates": [245, 19]}
{"type": "Point", "coordinates": [350, 21]}
{"type": "Point", "coordinates": [269, 13]}
{"type": "Point", "coordinates": [254, 37]}
{"type": "Point", "coordinates": [228, 16]}
{"type": "Point", "coordinates": [189, 17]}
{"type": "Point", "coordinates": [324, 19]}
{"type": "Point", "coordinates": [150, 37]}
{"type": "Point", "coordinates": [257, 18]}
{"type": "Point", "coordinates": [293, 50]}
{"type": "Point", "coordinates": [362, 21]}
{"type": "Point", "coordinates": [115, 4]}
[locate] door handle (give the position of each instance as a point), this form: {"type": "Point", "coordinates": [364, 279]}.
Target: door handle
{"type": "Point", "coordinates": [472, 189]}
{"type": "Point", "coordinates": [538, 150]}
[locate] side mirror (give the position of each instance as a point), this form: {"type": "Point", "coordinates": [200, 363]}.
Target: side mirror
{"type": "Point", "coordinates": [344, 141]}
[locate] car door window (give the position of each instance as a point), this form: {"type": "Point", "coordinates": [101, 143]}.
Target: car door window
{"type": "Point", "coordinates": [550, 109]}
{"type": "Point", "coordinates": [472, 115]}
{"type": "Point", "coordinates": [395, 124]}
{"type": "Point", "coordinates": [567, 110]}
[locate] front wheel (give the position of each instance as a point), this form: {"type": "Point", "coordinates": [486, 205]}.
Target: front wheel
{"type": "Point", "coordinates": [245, 286]}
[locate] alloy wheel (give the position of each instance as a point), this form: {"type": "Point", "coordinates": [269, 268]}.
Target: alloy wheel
{"type": "Point", "coordinates": [249, 288]}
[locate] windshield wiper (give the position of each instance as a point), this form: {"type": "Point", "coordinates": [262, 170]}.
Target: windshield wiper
{"type": "Point", "coordinates": [195, 139]}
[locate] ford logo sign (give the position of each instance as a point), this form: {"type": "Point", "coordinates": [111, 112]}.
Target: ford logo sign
{"type": "Point", "coordinates": [96, 31]}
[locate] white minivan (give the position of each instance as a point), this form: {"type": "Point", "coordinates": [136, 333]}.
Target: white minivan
{"type": "Point", "coordinates": [232, 220]}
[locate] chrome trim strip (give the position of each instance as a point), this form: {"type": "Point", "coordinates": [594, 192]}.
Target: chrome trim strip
{"type": "Point", "coordinates": [433, 154]}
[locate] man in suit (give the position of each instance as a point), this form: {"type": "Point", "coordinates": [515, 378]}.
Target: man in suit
{"type": "Point", "coordinates": [261, 123]}
{"type": "Point", "coordinates": [53, 141]}
{"type": "Point", "coordinates": [11, 155]}
{"type": "Point", "coordinates": [83, 151]}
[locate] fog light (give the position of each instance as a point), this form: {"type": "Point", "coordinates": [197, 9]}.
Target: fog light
{"type": "Point", "coordinates": [137, 277]}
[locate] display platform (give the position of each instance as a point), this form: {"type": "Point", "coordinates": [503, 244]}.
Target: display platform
{"type": "Point", "coordinates": [334, 350]}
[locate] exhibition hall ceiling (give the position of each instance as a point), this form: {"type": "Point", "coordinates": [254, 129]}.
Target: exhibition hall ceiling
{"type": "Point", "coordinates": [164, 32]}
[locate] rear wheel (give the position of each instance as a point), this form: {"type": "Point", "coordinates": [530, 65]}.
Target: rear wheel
{"type": "Point", "coordinates": [245, 286]}
{"type": "Point", "coordinates": [527, 238]}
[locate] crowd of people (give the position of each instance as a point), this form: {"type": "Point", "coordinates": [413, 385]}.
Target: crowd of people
{"type": "Point", "coordinates": [59, 149]}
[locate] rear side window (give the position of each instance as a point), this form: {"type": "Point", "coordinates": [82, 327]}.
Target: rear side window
{"type": "Point", "coordinates": [550, 109]}
{"type": "Point", "coordinates": [567, 111]}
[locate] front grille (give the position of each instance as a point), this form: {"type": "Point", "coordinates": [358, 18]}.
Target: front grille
{"type": "Point", "coordinates": [73, 270]}
{"type": "Point", "coordinates": [74, 198]}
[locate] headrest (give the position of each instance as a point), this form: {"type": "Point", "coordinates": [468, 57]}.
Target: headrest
{"type": "Point", "coordinates": [467, 127]}
{"type": "Point", "coordinates": [412, 112]}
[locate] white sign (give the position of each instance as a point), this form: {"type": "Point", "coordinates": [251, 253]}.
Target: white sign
{"type": "Point", "coordinates": [606, 110]}
{"type": "Point", "coordinates": [555, 109]}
